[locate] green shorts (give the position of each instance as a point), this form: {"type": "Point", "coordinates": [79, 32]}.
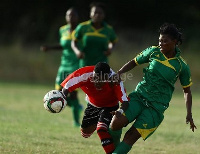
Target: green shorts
{"type": "Point", "coordinates": [147, 119]}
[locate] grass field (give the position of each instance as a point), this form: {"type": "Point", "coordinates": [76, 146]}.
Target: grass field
{"type": "Point", "coordinates": [26, 127]}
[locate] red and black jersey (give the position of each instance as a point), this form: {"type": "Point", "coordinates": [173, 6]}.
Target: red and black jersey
{"type": "Point", "coordinates": [108, 96]}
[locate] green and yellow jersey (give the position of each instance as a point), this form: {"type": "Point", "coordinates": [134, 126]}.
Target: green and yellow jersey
{"type": "Point", "coordinates": [69, 61]}
{"type": "Point", "coordinates": [160, 76]}
{"type": "Point", "coordinates": [94, 42]}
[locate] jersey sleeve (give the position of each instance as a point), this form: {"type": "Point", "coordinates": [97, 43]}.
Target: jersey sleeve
{"type": "Point", "coordinates": [77, 33]}
{"type": "Point", "coordinates": [185, 76]}
{"type": "Point", "coordinates": [76, 79]}
{"type": "Point", "coordinates": [144, 56]}
{"type": "Point", "coordinates": [113, 36]}
{"type": "Point", "coordinates": [121, 92]}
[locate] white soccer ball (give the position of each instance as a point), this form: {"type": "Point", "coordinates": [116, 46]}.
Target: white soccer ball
{"type": "Point", "coordinates": [54, 101]}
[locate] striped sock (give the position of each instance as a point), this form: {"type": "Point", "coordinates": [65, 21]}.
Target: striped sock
{"type": "Point", "coordinates": [105, 137]}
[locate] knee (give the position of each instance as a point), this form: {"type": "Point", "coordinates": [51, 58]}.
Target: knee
{"type": "Point", "coordinates": [85, 134]}
{"type": "Point", "coordinates": [118, 123]}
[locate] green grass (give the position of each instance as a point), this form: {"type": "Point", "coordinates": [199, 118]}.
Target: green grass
{"type": "Point", "coordinates": [26, 127]}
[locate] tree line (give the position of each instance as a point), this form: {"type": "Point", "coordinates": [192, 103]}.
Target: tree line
{"type": "Point", "coordinates": [34, 21]}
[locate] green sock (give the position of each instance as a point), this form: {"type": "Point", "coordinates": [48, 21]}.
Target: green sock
{"type": "Point", "coordinates": [122, 148]}
{"type": "Point", "coordinates": [116, 135]}
{"type": "Point", "coordinates": [76, 108]}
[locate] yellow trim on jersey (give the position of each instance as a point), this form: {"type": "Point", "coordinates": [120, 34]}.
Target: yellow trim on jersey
{"type": "Point", "coordinates": [169, 58]}
{"type": "Point", "coordinates": [145, 132]}
{"type": "Point", "coordinates": [155, 46]}
{"type": "Point", "coordinates": [95, 34]}
{"type": "Point", "coordinates": [73, 36]}
{"type": "Point", "coordinates": [183, 60]}
{"type": "Point", "coordinates": [63, 27]}
{"type": "Point", "coordinates": [85, 22]}
{"type": "Point", "coordinates": [68, 37]}
{"type": "Point", "coordinates": [136, 61]}
{"type": "Point", "coordinates": [166, 63]}
{"type": "Point", "coordinates": [188, 85]}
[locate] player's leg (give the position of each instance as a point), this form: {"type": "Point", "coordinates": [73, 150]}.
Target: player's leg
{"type": "Point", "coordinates": [116, 135]}
{"type": "Point", "coordinates": [103, 127]}
{"type": "Point", "coordinates": [72, 99]}
{"type": "Point", "coordinates": [76, 107]}
{"type": "Point", "coordinates": [88, 131]}
{"type": "Point", "coordinates": [135, 108]}
{"type": "Point", "coordinates": [118, 123]}
{"type": "Point", "coordinates": [131, 136]}
{"type": "Point", "coordinates": [144, 126]}
{"type": "Point", "coordinates": [90, 119]}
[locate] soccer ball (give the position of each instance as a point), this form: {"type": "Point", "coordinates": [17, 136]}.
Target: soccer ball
{"type": "Point", "coordinates": [54, 101]}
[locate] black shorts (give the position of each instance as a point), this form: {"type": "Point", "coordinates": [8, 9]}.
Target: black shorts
{"type": "Point", "coordinates": [93, 115]}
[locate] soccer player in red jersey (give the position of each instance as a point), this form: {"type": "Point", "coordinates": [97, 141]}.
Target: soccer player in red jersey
{"type": "Point", "coordinates": [103, 97]}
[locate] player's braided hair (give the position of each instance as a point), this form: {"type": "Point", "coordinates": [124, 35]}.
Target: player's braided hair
{"type": "Point", "coordinates": [172, 31]}
{"type": "Point", "coordinates": [102, 68]}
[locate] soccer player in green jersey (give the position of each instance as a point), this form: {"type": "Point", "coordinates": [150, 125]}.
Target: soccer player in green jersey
{"type": "Point", "coordinates": [152, 95]}
{"type": "Point", "coordinates": [69, 61]}
{"type": "Point", "coordinates": [97, 37]}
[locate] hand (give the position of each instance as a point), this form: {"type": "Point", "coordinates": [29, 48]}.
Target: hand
{"type": "Point", "coordinates": [190, 120]}
{"type": "Point", "coordinates": [116, 113]}
{"type": "Point", "coordinates": [80, 55]}
{"type": "Point", "coordinates": [107, 53]}
{"type": "Point", "coordinates": [44, 48]}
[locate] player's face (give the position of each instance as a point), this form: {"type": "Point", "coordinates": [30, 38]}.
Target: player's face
{"type": "Point", "coordinates": [166, 43]}
{"type": "Point", "coordinates": [97, 14]}
{"type": "Point", "coordinates": [99, 81]}
{"type": "Point", "coordinates": [71, 16]}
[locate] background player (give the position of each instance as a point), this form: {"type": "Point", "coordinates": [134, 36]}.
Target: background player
{"type": "Point", "coordinates": [102, 97]}
{"type": "Point", "coordinates": [69, 61]}
{"type": "Point", "coordinates": [97, 37]}
{"type": "Point", "coordinates": [152, 95]}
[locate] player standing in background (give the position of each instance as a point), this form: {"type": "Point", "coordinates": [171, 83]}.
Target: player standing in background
{"type": "Point", "coordinates": [103, 97]}
{"type": "Point", "coordinates": [69, 61]}
{"type": "Point", "coordinates": [152, 95]}
{"type": "Point", "coordinates": [97, 37]}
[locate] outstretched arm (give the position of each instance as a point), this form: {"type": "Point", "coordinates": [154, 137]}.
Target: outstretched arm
{"type": "Point", "coordinates": [115, 79]}
{"type": "Point", "coordinates": [188, 101]}
{"type": "Point", "coordinates": [127, 67]}
{"type": "Point", "coordinates": [46, 48]}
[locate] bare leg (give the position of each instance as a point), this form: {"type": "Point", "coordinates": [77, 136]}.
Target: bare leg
{"type": "Point", "coordinates": [119, 122]}
{"type": "Point", "coordinates": [87, 132]}
{"type": "Point", "coordinates": [131, 136]}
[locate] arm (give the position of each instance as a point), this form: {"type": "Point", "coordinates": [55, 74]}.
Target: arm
{"type": "Point", "coordinates": [76, 50]}
{"type": "Point", "coordinates": [115, 79]}
{"type": "Point", "coordinates": [65, 93]}
{"type": "Point", "coordinates": [111, 46]}
{"type": "Point", "coordinates": [46, 48]}
{"type": "Point", "coordinates": [127, 67]}
{"type": "Point", "coordinates": [188, 101]}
